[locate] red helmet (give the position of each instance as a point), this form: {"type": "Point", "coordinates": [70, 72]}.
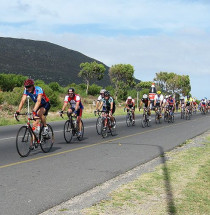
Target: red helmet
{"type": "Point", "coordinates": [28, 82]}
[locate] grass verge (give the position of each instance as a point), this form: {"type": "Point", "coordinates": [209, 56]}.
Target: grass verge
{"type": "Point", "coordinates": [181, 185]}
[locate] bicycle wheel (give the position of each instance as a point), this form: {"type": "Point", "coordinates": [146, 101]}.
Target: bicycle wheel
{"type": "Point", "coordinates": [23, 141]}
{"type": "Point", "coordinates": [68, 131]}
{"type": "Point", "coordinates": [47, 141]}
{"type": "Point", "coordinates": [165, 117]}
{"type": "Point", "coordinates": [113, 128]}
{"type": "Point", "coordinates": [128, 120]}
{"type": "Point", "coordinates": [148, 123]}
{"type": "Point", "coordinates": [143, 121]}
{"type": "Point", "coordinates": [82, 132]}
{"type": "Point", "coordinates": [157, 118]}
{"type": "Point", "coordinates": [172, 118]}
{"type": "Point", "coordinates": [104, 129]}
{"type": "Point", "coordinates": [99, 125]}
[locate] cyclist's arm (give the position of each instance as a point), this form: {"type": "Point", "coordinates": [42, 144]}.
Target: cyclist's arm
{"type": "Point", "coordinates": [64, 106]}
{"type": "Point", "coordinates": [22, 102]}
{"type": "Point", "coordinates": [100, 105]}
{"type": "Point", "coordinates": [111, 107]}
{"type": "Point", "coordinates": [38, 103]}
{"type": "Point", "coordinates": [77, 106]}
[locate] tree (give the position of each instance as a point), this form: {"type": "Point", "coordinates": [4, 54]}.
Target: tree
{"type": "Point", "coordinates": [121, 76]}
{"type": "Point", "coordinates": [173, 83]}
{"type": "Point", "coordinates": [144, 85]}
{"type": "Point", "coordinates": [91, 71]}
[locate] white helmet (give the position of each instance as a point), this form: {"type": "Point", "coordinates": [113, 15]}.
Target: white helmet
{"type": "Point", "coordinates": [129, 97]}
{"type": "Point", "coordinates": [145, 96]}
{"type": "Point", "coordinates": [166, 97]}
{"type": "Point", "coordinates": [102, 91]}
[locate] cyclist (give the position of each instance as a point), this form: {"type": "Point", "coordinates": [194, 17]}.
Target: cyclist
{"type": "Point", "coordinates": [146, 102]}
{"type": "Point", "coordinates": [181, 103]}
{"type": "Point", "coordinates": [171, 103]}
{"type": "Point", "coordinates": [188, 103]}
{"type": "Point", "coordinates": [158, 102]}
{"type": "Point", "coordinates": [99, 100]}
{"type": "Point", "coordinates": [108, 107]}
{"type": "Point", "coordinates": [76, 107]}
{"type": "Point", "coordinates": [130, 105]}
{"type": "Point", "coordinates": [203, 104]}
{"type": "Point", "coordinates": [194, 104]}
{"type": "Point", "coordinates": [41, 107]}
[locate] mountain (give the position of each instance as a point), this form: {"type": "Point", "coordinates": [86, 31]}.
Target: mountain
{"type": "Point", "coordinates": [43, 60]}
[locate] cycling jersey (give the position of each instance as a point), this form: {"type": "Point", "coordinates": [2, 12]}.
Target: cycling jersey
{"type": "Point", "coordinates": [100, 98]}
{"type": "Point", "coordinates": [107, 104]}
{"type": "Point", "coordinates": [73, 101]}
{"type": "Point", "coordinates": [188, 101]}
{"type": "Point", "coordinates": [131, 103]}
{"type": "Point", "coordinates": [158, 99]}
{"type": "Point", "coordinates": [37, 91]}
{"type": "Point", "coordinates": [145, 102]}
{"type": "Point", "coordinates": [171, 102]}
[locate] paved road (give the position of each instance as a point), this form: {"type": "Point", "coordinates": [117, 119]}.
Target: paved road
{"type": "Point", "coordinates": [32, 185]}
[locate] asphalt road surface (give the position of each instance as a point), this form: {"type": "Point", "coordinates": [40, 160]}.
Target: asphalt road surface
{"type": "Point", "coordinates": [34, 184]}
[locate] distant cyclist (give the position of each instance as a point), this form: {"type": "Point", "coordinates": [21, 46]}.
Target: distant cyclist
{"type": "Point", "coordinates": [41, 107]}
{"type": "Point", "coordinates": [130, 105]}
{"type": "Point", "coordinates": [171, 103]}
{"type": "Point", "coordinates": [108, 106]}
{"type": "Point", "coordinates": [158, 102]}
{"type": "Point", "coordinates": [146, 103]}
{"type": "Point", "coordinates": [188, 103]}
{"type": "Point", "coordinates": [99, 100]}
{"type": "Point", "coordinates": [75, 108]}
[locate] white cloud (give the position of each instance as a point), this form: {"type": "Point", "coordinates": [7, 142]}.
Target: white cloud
{"type": "Point", "coordinates": [181, 45]}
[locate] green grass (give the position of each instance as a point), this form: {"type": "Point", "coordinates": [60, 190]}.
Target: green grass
{"type": "Point", "coordinates": [181, 186]}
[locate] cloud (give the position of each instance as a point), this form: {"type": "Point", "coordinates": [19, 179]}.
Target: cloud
{"type": "Point", "coordinates": [153, 36]}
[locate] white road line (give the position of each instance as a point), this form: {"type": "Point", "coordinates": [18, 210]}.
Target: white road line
{"type": "Point", "coordinates": [91, 126]}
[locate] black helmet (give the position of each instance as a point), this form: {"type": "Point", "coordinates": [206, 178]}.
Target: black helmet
{"type": "Point", "coordinates": [106, 93]}
{"type": "Point", "coordinates": [188, 96]}
{"type": "Point", "coordinates": [71, 90]}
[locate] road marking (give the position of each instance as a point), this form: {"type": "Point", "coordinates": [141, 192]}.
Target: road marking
{"type": "Point", "coordinates": [95, 144]}
{"type": "Point", "coordinates": [91, 126]}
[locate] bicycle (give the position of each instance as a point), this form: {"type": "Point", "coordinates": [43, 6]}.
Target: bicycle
{"type": "Point", "coordinates": [203, 110]}
{"type": "Point", "coordinates": [71, 128]}
{"type": "Point", "coordinates": [187, 114]}
{"type": "Point", "coordinates": [170, 116]}
{"type": "Point", "coordinates": [145, 119]}
{"type": "Point", "coordinates": [182, 112]}
{"type": "Point", "coordinates": [157, 115]}
{"type": "Point", "coordinates": [27, 139]}
{"type": "Point", "coordinates": [129, 118]}
{"type": "Point", "coordinates": [110, 125]}
{"type": "Point", "coordinates": [166, 115]}
{"type": "Point", "coordinates": [98, 122]}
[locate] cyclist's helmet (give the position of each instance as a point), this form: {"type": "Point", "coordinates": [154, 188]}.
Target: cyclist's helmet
{"type": "Point", "coordinates": [71, 90]}
{"type": "Point", "coordinates": [106, 93]}
{"type": "Point", "coordinates": [188, 97]}
{"type": "Point", "coordinates": [181, 98]}
{"type": "Point", "coordinates": [166, 97]}
{"type": "Point", "coordinates": [170, 96]}
{"type": "Point", "coordinates": [102, 91]}
{"type": "Point", "coordinates": [159, 92]}
{"type": "Point", "coordinates": [129, 98]}
{"type": "Point", "coordinates": [29, 82]}
{"type": "Point", "coordinates": [145, 96]}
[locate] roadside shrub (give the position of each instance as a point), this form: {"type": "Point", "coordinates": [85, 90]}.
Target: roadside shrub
{"type": "Point", "coordinates": [1, 97]}
{"type": "Point", "coordinates": [94, 89]}
{"type": "Point", "coordinates": [14, 97]}
{"type": "Point", "coordinates": [55, 86]}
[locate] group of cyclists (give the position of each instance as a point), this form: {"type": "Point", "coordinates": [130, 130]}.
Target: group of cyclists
{"type": "Point", "coordinates": [105, 103]}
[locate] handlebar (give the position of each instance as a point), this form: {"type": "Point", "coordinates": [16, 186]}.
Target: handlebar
{"type": "Point", "coordinates": [30, 116]}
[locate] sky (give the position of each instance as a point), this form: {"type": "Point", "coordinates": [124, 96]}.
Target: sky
{"type": "Point", "coordinates": [151, 35]}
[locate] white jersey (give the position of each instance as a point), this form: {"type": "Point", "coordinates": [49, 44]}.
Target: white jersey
{"type": "Point", "coordinates": [100, 98]}
{"type": "Point", "coordinates": [159, 99]}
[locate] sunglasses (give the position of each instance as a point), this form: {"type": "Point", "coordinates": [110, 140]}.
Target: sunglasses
{"type": "Point", "coordinates": [28, 86]}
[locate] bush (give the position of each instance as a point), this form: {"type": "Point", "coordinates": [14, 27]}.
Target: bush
{"type": "Point", "coordinates": [14, 97]}
{"type": "Point", "coordinates": [94, 89]}
{"type": "Point", "coordinates": [1, 97]}
{"type": "Point", "coordinates": [55, 86]}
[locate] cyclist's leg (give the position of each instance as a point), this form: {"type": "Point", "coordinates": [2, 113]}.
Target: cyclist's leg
{"type": "Point", "coordinates": [79, 116]}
